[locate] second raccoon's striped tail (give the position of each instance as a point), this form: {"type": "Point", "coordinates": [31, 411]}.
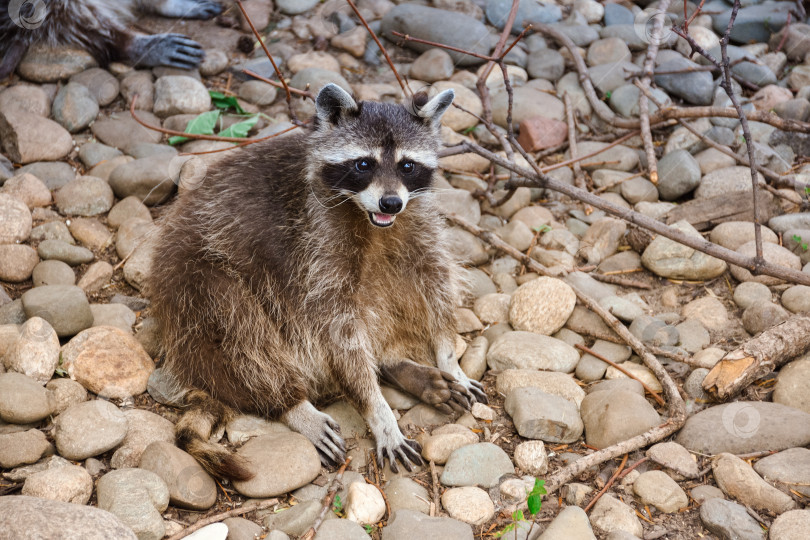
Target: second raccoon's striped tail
{"type": "Point", "coordinates": [203, 416]}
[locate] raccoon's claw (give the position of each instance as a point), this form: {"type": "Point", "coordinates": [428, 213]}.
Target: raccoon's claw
{"type": "Point", "coordinates": [477, 390]}
{"type": "Point", "coordinates": [330, 445]}
{"type": "Point", "coordinates": [408, 453]}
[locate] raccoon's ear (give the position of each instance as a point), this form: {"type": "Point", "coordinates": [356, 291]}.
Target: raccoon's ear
{"type": "Point", "coordinates": [332, 103]}
{"type": "Point", "coordinates": [434, 109]}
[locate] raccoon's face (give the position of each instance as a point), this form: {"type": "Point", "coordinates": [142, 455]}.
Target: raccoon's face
{"type": "Point", "coordinates": [378, 155]}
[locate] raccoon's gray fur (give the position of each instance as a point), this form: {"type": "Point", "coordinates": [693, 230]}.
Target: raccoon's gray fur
{"type": "Point", "coordinates": [308, 267]}
{"type": "Point", "coordinates": [100, 26]}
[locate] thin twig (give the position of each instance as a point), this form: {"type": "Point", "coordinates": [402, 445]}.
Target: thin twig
{"type": "Point", "coordinates": [676, 410]}
{"type": "Point", "coordinates": [540, 180]}
{"type": "Point", "coordinates": [579, 178]}
{"type": "Point", "coordinates": [611, 118]}
{"type": "Point", "coordinates": [601, 357]}
{"type": "Point", "coordinates": [243, 141]}
{"type": "Point", "coordinates": [434, 478]}
{"type": "Point", "coordinates": [616, 280]}
{"type": "Point", "coordinates": [402, 84]}
{"type": "Point", "coordinates": [725, 83]}
{"type": "Point", "coordinates": [216, 518]}
{"type": "Point", "coordinates": [643, 106]}
{"type": "Point", "coordinates": [632, 467]}
{"type": "Point", "coordinates": [269, 57]}
{"type": "Point", "coordinates": [303, 93]}
{"type": "Point", "coordinates": [607, 484]}
{"type": "Point", "coordinates": [326, 504]}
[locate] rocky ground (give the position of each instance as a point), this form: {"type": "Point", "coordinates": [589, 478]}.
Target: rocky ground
{"type": "Point", "coordinates": [86, 419]}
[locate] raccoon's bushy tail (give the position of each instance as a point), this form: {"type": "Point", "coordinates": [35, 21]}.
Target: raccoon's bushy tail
{"type": "Point", "coordinates": [203, 416]}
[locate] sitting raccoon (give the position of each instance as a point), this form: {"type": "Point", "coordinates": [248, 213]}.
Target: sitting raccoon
{"type": "Point", "coordinates": [102, 27]}
{"type": "Point", "coordinates": [309, 267]}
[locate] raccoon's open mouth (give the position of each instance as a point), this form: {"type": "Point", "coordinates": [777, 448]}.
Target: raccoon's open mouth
{"type": "Point", "coordinates": [381, 220]}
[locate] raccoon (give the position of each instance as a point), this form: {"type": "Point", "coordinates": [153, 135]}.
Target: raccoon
{"type": "Point", "coordinates": [312, 266]}
{"type": "Point", "coordinates": [102, 27]}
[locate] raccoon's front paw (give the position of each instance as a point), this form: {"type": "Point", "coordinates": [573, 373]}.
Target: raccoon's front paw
{"type": "Point", "coordinates": [172, 50]}
{"type": "Point", "coordinates": [406, 451]}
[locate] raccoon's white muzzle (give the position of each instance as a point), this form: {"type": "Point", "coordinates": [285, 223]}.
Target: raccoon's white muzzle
{"type": "Point", "coordinates": [382, 206]}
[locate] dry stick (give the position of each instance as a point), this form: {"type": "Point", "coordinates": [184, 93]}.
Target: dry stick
{"type": "Point", "coordinates": [727, 86]}
{"type": "Point", "coordinates": [609, 482]}
{"type": "Point", "coordinates": [768, 173]}
{"type": "Point", "coordinates": [615, 280]}
{"type": "Point", "coordinates": [579, 178]}
{"type": "Point", "coordinates": [507, 29]}
{"type": "Point", "coordinates": [579, 159]}
{"type": "Point", "coordinates": [611, 118]}
{"type": "Point", "coordinates": [649, 65]}
{"type": "Point", "coordinates": [216, 518]}
{"type": "Point", "coordinates": [241, 140]}
{"type": "Point", "coordinates": [434, 477]}
{"type": "Point", "coordinates": [676, 410]}
{"type": "Point", "coordinates": [483, 90]}
{"type": "Point", "coordinates": [269, 57]}
{"type": "Point", "coordinates": [277, 84]}
{"type": "Point", "coordinates": [632, 467]}
{"type": "Point", "coordinates": [601, 357]}
{"type": "Point", "coordinates": [402, 84]}
{"type": "Point", "coordinates": [758, 356]}
{"type": "Point", "coordinates": [615, 183]}
{"type": "Point", "coordinates": [327, 501]}
{"type": "Point", "coordinates": [535, 179]}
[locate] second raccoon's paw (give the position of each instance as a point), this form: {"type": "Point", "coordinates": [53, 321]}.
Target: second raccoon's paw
{"type": "Point", "coordinates": [190, 9]}
{"type": "Point", "coordinates": [406, 451]}
{"type": "Point", "coordinates": [172, 50]}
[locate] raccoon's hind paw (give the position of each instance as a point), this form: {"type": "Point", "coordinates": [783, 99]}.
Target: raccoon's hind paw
{"type": "Point", "coordinates": [172, 50]}
{"type": "Point", "coordinates": [406, 451]}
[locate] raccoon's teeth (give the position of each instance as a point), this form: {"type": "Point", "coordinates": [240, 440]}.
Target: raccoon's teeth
{"type": "Point", "coordinates": [381, 220]}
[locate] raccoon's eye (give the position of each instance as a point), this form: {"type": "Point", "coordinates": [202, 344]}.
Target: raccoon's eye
{"type": "Point", "coordinates": [407, 167]}
{"type": "Point", "coordinates": [362, 165]}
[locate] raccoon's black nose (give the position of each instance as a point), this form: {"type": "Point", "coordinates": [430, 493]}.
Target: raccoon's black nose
{"type": "Point", "coordinates": [390, 205]}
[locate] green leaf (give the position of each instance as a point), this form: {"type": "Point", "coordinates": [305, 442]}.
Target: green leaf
{"type": "Point", "coordinates": [468, 130]}
{"type": "Point", "coordinates": [517, 515]}
{"type": "Point", "coordinates": [221, 101]}
{"type": "Point", "coordinates": [797, 238]}
{"type": "Point", "coordinates": [240, 129]}
{"type": "Point", "coordinates": [534, 504]}
{"type": "Point", "coordinates": [541, 229]}
{"type": "Point", "coordinates": [369, 529]}
{"type": "Point", "coordinates": [804, 247]}
{"type": "Point", "coordinates": [202, 124]}
{"type": "Point", "coordinates": [534, 500]}
{"type": "Point", "coordinates": [607, 95]}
